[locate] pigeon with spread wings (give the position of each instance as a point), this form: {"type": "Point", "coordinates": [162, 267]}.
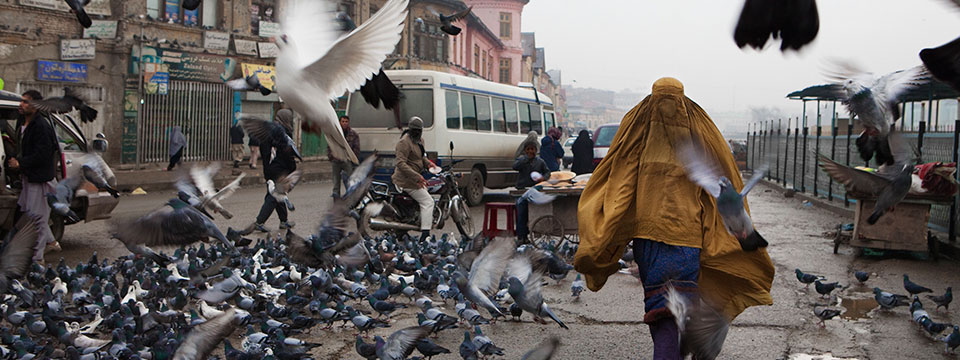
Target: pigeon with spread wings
{"type": "Point", "coordinates": [66, 103]}
{"type": "Point", "coordinates": [446, 21]}
{"type": "Point", "coordinates": [316, 65]}
{"type": "Point", "coordinates": [269, 132]}
{"type": "Point", "coordinates": [795, 22]}
{"type": "Point", "coordinates": [176, 223]}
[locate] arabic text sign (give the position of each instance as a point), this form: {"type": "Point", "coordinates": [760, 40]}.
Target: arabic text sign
{"type": "Point", "coordinates": [156, 78]}
{"type": "Point", "coordinates": [95, 7]}
{"type": "Point", "coordinates": [101, 29]}
{"type": "Point", "coordinates": [268, 50]}
{"type": "Point", "coordinates": [265, 73]}
{"type": "Point", "coordinates": [216, 40]}
{"type": "Point", "coordinates": [195, 67]}
{"type": "Point", "coordinates": [61, 71]}
{"type": "Point", "coordinates": [79, 49]}
{"type": "Point", "coordinates": [269, 29]}
{"type": "Point", "coordinates": [245, 47]}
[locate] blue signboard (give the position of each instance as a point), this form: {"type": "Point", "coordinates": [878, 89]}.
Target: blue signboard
{"type": "Point", "coordinates": [61, 71]}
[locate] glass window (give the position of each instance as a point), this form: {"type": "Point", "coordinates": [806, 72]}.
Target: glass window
{"type": "Point", "coordinates": [536, 122]}
{"type": "Point", "coordinates": [505, 25]}
{"type": "Point", "coordinates": [604, 135]}
{"type": "Point", "coordinates": [505, 70]}
{"type": "Point", "coordinates": [210, 13]}
{"type": "Point", "coordinates": [510, 107]}
{"type": "Point", "coordinates": [153, 8]}
{"type": "Point", "coordinates": [413, 102]}
{"type": "Point", "coordinates": [453, 109]}
{"type": "Point", "coordinates": [469, 111]}
{"type": "Point", "coordinates": [524, 118]}
{"type": "Point", "coordinates": [483, 113]}
{"type": "Point", "coordinates": [499, 117]}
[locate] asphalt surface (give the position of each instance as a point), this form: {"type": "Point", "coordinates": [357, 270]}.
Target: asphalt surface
{"type": "Point", "coordinates": [607, 324]}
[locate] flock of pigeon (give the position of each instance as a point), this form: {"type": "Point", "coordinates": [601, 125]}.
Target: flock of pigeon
{"type": "Point", "coordinates": [889, 301]}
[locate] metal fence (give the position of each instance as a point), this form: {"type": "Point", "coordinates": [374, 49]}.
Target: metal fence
{"type": "Point", "coordinates": [203, 110]}
{"type": "Point", "coordinates": [790, 154]}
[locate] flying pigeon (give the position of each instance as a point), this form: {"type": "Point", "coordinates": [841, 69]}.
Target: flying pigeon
{"type": "Point", "coordinates": [250, 83]}
{"type": "Point", "coordinates": [269, 132]}
{"type": "Point", "coordinates": [729, 201]}
{"type": "Point", "coordinates": [890, 185]}
{"type": "Point", "coordinates": [204, 338]}
{"type": "Point", "coordinates": [795, 22]}
{"type": "Point", "coordinates": [201, 193]}
{"type": "Point", "coordinates": [524, 285]}
{"type": "Point", "coordinates": [943, 62]}
{"type": "Point", "coordinates": [400, 344]}
{"type": "Point", "coordinates": [378, 89]}
{"type": "Point", "coordinates": [176, 223]}
{"type": "Point", "coordinates": [446, 22]}
{"type": "Point", "coordinates": [66, 103]}
{"type": "Point", "coordinates": [17, 254]}
{"type": "Point", "coordinates": [702, 329]}
{"type": "Point", "coordinates": [315, 65]}
{"type": "Point", "coordinates": [874, 100]}
{"type": "Point", "coordinates": [76, 7]}
{"type": "Point", "coordinates": [283, 186]}
{"type": "Point", "coordinates": [59, 201]}
{"type": "Point", "coordinates": [485, 273]}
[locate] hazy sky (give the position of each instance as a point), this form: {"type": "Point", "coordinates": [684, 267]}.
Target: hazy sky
{"type": "Point", "coordinates": [619, 44]}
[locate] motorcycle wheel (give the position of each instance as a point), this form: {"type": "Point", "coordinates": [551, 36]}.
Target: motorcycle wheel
{"type": "Point", "coordinates": [461, 216]}
{"type": "Point", "coordinates": [363, 225]}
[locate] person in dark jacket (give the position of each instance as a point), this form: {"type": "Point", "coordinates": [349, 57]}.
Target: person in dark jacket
{"type": "Point", "coordinates": [532, 169]}
{"type": "Point", "coordinates": [550, 149]}
{"type": "Point", "coordinates": [36, 161]}
{"type": "Point", "coordinates": [582, 153]}
{"type": "Point", "coordinates": [236, 144]}
{"type": "Point", "coordinates": [344, 165]}
{"type": "Point", "coordinates": [278, 161]}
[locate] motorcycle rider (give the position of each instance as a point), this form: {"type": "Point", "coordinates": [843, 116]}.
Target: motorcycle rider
{"type": "Point", "coordinates": [411, 161]}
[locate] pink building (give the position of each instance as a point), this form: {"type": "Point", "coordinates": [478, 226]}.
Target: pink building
{"type": "Point", "coordinates": [503, 18]}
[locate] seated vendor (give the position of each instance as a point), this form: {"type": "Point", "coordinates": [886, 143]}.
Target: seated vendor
{"type": "Point", "coordinates": [529, 165]}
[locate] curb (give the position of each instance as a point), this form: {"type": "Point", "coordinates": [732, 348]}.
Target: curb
{"type": "Point", "coordinates": [154, 180]}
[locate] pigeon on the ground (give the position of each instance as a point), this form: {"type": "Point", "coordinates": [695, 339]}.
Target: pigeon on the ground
{"type": "Point", "coordinates": [249, 83]}
{"type": "Point", "coordinates": [875, 101]}
{"type": "Point", "coordinates": [888, 300]}
{"type": "Point", "coordinates": [824, 314]}
{"type": "Point", "coordinates": [825, 288]}
{"type": "Point", "coordinates": [807, 278]}
{"type": "Point", "coordinates": [468, 350]}
{"type": "Point", "coordinates": [952, 340]}
{"type": "Point", "coordinates": [702, 329]}
{"type": "Point", "coordinates": [862, 276]}
{"type": "Point", "coordinates": [317, 65]}
{"type": "Point", "coordinates": [890, 187]}
{"type": "Point", "coordinates": [76, 7]}
{"type": "Point", "coordinates": [544, 351]}
{"type": "Point", "coordinates": [484, 345]}
{"type": "Point", "coordinates": [943, 300]}
{"type": "Point", "coordinates": [430, 349]}
{"type": "Point", "coordinates": [912, 287]}
{"type": "Point", "coordinates": [795, 22]}
{"type": "Point", "coordinates": [446, 21]}
{"type": "Point", "coordinates": [577, 286]}
{"type": "Point", "coordinates": [66, 103]}
{"type": "Point", "coordinates": [729, 201]}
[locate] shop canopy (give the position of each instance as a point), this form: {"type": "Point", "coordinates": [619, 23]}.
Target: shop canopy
{"type": "Point", "coordinates": [934, 90]}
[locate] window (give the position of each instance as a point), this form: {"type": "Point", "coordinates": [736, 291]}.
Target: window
{"type": "Point", "coordinates": [505, 25]}
{"type": "Point", "coordinates": [453, 109]}
{"type": "Point", "coordinates": [510, 108]}
{"type": "Point", "coordinates": [536, 123]}
{"type": "Point", "coordinates": [484, 65]}
{"type": "Point", "coordinates": [429, 43]}
{"type": "Point", "coordinates": [476, 59]}
{"type": "Point", "coordinates": [548, 120]}
{"type": "Point", "coordinates": [413, 102]}
{"type": "Point", "coordinates": [209, 12]}
{"type": "Point", "coordinates": [469, 111]}
{"type": "Point", "coordinates": [524, 118]}
{"type": "Point", "coordinates": [604, 135]}
{"type": "Point", "coordinates": [505, 70]}
{"type": "Point", "coordinates": [153, 8]}
{"type": "Point", "coordinates": [499, 117]}
{"type": "Point", "coordinates": [483, 113]}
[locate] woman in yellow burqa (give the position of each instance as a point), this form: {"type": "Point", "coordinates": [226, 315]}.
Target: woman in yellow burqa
{"type": "Point", "coordinates": [641, 193]}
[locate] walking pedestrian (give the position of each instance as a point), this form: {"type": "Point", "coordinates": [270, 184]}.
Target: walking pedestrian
{"type": "Point", "coordinates": [639, 193]}
{"type": "Point", "coordinates": [278, 161]}
{"type": "Point", "coordinates": [550, 149]}
{"type": "Point", "coordinates": [178, 142]}
{"type": "Point", "coordinates": [582, 153]}
{"type": "Point", "coordinates": [526, 165]}
{"type": "Point", "coordinates": [36, 161]}
{"type": "Point", "coordinates": [341, 166]}
{"type": "Point", "coordinates": [236, 144]}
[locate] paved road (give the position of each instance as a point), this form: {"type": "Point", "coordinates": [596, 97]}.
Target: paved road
{"type": "Point", "coordinates": [606, 324]}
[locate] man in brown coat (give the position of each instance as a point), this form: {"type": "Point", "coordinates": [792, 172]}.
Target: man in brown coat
{"type": "Point", "coordinates": [411, 161]}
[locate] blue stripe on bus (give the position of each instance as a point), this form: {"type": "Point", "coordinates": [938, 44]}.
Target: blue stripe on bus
{"type": "Point", "coordinates": [454, 87]}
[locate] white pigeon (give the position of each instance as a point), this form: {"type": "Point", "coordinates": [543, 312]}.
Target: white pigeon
{"type": "Point", "coordinates": [316, 65]}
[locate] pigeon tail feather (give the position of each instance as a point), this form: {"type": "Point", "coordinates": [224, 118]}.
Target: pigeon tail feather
{"type": "Point", "coordinates": [753, 242]}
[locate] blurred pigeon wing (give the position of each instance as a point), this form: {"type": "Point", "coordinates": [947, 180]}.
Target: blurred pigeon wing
{"type": "Point", "coordinates": [204, 338]}
{"type": "Point", "coordinates": [488, 266]}
{"type": "Point", "coordinates": [698, 171]}
{"type": "Point", "coordinates": [203, 178]}
{"type": "Point", "coordinates": [187, 187]}
{"type": "Point", "coordinates": [521, 267]}
{"type": "Point", "coordinates": [544, 351]}
{"type": "Point", "coordinates": [257, 127]}
{"type": "Point", "coordinates": [757, 176]}
{"type": "Point", "coordinates": [400, 344]}
{"type": "Point", "coordinates": [228, 190]}
{"type": "Point", "coordinates": [57, 105]}
{"type": "Point", "coordinates": [309, 28]}
{"type": "Point", "coordinates": [840, 70]}
{"type": "Point", "coordinates": [434, 11]}
{"type": "Point", "coordinates": [17, 253]}
{"type": "Point", "coordinates": [889, 87]}
{"type": "Point", "coordinates": [460, 15]}
{"type": "Point", "coordinates": [854, 180]}
{"type": "Point", "coordinates": [238, 84]}
{"type": "Point", "coordinates": [288, 182]}
{"type": "Point", "coordinates": [538, 197]}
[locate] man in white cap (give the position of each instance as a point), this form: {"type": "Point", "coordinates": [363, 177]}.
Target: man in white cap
{"type": "Point", "coordinates": [411, 161]}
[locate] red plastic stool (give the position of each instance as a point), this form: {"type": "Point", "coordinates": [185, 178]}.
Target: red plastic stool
{"type": "Point", "coordinates": [490, 212]}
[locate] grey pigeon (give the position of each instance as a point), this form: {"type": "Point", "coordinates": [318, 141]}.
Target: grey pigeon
{"type": "Point", "coordinates": [283, 186]}
{"type": "Point", "coordinates": [862, 276]}
{"type": "Point", "coordinates": [875, 101]}
{"type": "Point", "coordinates": [952, 340]}
{"type": "Point", "coordinates": [824, 314]}
{"type": "Point", "coordinates": [890, 185]}
{"type": "Point", "coordinates": [249, 83]}
{"type": "Point", "coordinates": [795, 22]}
{"type": "Point", "coordinates": [912, 287]}
{"type": "Point", "coordinates": [484, 345]}
{"type": "Point", "coordinates": [943, 300]}
{"type": "Point", "coordinates": [468, 350]}
{"type": "Point", "coordinates": [98, 173]}
{"type": "Point", "coordinates": [59, 201]}
{"type": "Point", "coordinates": [577, 286]}
{"type": "Point", "coordinates": [544, 351]}
{"type": "Point", "coordinates": [729, 201]}
{"type": "Point", "coordinates": [177, 223]}
{"type": "Point", "coordinates": [70, 100]}
{"type": "Point", "coordinates": [485, 273]}
{"type": "Point", "coordinates": [524, 287]}
{"type": "Point", "coordinates": [888, 300]}
{"type": "Point", "coordinates": [446, 21]}
{"type": "Point", "coordinates": [702, 329]}
{"type": "Point", "coordinates": [401, 343]}
{"type": "Point", "coordinates": [269, 132]}
{"type": "Point", "coordinates": [807, 278]}
{"type": "Point", "coordinates": [17, 255]}
{"type": "Point", "coordinates": [826, 288]}
{"type": "Point", "coordinates": [430, 349]}
{"type": "Point", "coordinates": [225, 289]}
{"type": "Point", "coordinates": [201, 193]}
{"type": "Point", "coordinates": [204, 338]}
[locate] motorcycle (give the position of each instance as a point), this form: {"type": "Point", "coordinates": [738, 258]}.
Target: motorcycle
{"type": "Point", "coordinates": [385, 208]}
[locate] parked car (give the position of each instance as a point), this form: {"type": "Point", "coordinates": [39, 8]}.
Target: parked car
{"type": "Point", "coordinates": [89, 203]}
{"type": "Point", "coordinates": [568, 151]}
{"type": "Point", "coordinates": [602, 140]}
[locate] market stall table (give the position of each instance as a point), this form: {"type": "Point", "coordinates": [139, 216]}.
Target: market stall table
{"type": "Point", "coordinates": [557, 220]}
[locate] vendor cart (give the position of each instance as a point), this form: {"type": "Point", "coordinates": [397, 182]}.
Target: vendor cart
{"type": "Point", "coordinates": [903, 228]}
{"type": "Point", "coordinates": [556, 222]}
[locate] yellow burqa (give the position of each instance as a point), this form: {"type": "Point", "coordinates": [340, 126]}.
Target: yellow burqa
{"type": "Point", "coordinates": [640, 190]}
